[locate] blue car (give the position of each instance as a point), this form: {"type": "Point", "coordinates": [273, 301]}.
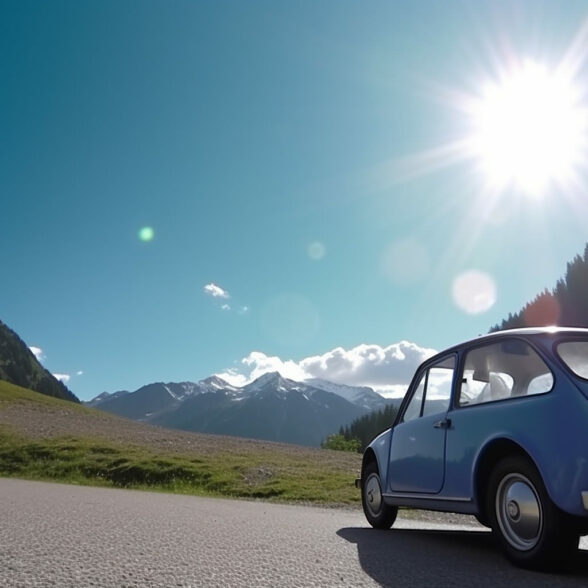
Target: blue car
{"type": "Point", "coordinates": [497, 428]}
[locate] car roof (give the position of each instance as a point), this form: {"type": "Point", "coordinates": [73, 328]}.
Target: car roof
{"type": "Point", "coordinates": [522, 332]}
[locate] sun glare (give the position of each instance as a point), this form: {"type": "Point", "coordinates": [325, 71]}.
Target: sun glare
{"type": "Point", "coordinates": [521, 126]}
{"type": "Point", "coordinates": [528, 129]}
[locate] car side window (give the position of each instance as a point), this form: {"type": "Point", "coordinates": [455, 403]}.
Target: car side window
{"type": "Point", "coordinates": [433, 392]}
{"type": "Point", "coordinates": [503, 370]}
{"type": "Point", "coordinates": [413, 410]}
{"type": "Point", "coordinates": [575, 356]}
{"type": "Point", "coordinates": [439, 389]}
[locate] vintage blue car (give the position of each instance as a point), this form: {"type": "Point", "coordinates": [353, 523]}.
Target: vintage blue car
{"type": "Point", "coordinates": [497, 428]}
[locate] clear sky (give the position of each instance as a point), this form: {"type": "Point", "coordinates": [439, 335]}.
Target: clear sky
{"type": "Point", "coordinates": [186, 185]}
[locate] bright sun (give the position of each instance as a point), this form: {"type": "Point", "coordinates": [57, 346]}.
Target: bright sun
{"type": "Point", "coordinates": [528, 129]}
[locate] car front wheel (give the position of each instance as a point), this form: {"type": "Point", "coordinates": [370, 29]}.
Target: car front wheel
{"type": "Point", "coordinates": [379, 514]}
{"type": "Point", "coordinates": [531, 530]}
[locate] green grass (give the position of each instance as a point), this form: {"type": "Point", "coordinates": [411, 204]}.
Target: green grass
{"type": "Point", "coordinates": [266, 471]}
{"type": "Point", "coordinates": [86, 461]}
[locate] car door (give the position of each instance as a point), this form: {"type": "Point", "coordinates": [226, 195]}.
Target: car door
{"type": "Point", "coordinates": [417, 452]}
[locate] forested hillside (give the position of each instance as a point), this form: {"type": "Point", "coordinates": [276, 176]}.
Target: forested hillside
{"type": "Point", "coordinates": [365, 428]}
{"type": "Point", "coordinates": [566, 305]}
{"type": "Point", "coordinates": [19, 366]}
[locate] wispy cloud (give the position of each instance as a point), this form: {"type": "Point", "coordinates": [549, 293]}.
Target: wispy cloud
{"type": "Point", "coordinates": [215, 291]}
{"type": "Point", "coordinates": [386, 369]}
{"type": "Point", "coordinates": [40, 355]}
{"type": "Point", "coordinates": [37, 352]}
{"type": "Point", "coordinates": [65, 378]}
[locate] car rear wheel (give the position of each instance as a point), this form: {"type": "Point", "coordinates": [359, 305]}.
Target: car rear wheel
{"type": "Point", "coordinates": [379, 514]}
{"type": "Point", "coordinates": [531, 530]}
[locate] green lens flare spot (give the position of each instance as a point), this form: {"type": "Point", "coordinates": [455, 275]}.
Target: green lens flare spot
{"type": "Point", "coordinates": [146, 234]}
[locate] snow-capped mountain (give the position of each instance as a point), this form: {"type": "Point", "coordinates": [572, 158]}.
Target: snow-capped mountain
{"type": "Point", "coordinates": [212, 384]}
{"type": "Point", "coordinates": [360, 395]}
{"type": "Point", "coordinates": [271, 407]}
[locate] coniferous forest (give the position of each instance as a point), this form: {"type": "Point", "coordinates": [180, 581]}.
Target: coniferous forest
{"type": "Point", "coordinates": [362, 430]}
{"type": "Point", "coordinates": [566, 305]}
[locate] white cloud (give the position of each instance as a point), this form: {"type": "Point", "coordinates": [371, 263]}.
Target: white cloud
{"type": "Point", "coordinates": [368, 365]}
{"type": "Point", "coordinates": [386, 369]}
{"type": "Point", "coordinates": [259, 363]}
{"type": "Point", "coordinates": [79, 373]}
{"type": "Point", "coordinates": [62, 377]}
{"type": "Point", "coordinates": [215, 291]}
{"type": "Point", "coordinates": [226, 307]}
{"type": "Point", "coordinates": [37, 352]}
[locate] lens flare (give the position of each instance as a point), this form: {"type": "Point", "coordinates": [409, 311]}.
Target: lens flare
{"type": "Point", "coordinates": [146, 234]}
{"type": "Point", "coordinates": [474, 292]}
{"type": "Point", "coordinates": [316, 251]}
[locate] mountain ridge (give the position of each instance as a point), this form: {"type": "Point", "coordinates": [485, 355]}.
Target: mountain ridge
{"type": "Point", "coordinates": [271, 407]}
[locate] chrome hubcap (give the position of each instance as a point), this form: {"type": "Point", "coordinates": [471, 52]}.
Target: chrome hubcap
{"type": "Point", "coordinates": [519, 512]}
{"type": "Point", "coordinates": [373, 494]}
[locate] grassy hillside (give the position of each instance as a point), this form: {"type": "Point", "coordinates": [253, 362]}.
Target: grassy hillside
{"type": "Point", "coordinates": [49, 439]}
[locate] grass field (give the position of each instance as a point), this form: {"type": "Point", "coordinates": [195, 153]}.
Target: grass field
{"type": "Point", "coordinates": [43, 438]}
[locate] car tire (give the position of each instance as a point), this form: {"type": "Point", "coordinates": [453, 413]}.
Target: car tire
{"type": "Point", "coordinates": [531, 530]}
{"type": "Point", "coordinates": [379, 514]}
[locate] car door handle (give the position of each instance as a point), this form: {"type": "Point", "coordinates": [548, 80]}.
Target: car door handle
{"type": "Point", "coordinates": [444, 424]}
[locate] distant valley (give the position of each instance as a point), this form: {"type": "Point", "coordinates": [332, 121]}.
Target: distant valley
{"type": "Point", "coordinates": [271, 408]}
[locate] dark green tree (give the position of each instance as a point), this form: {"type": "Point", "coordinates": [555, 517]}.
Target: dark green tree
{"type": "Point", "coordinates": [365, 428]}
{"type": "Point", "coordinates": [340, 443]}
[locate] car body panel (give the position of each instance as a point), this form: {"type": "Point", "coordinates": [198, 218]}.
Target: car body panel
{"type": "Point", "coordinates": [417, 456]}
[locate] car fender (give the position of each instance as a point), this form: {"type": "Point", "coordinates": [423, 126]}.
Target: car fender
{"type": "Point", "coordinates": [379, 449]}
{"type": "Point", "coordinates": [498, 446]}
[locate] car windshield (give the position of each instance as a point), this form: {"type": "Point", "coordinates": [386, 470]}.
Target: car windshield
{"type": "Point", "coordinates": [575, 355]}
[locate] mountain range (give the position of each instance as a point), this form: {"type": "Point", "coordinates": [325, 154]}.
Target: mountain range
{"type": "Point", "coordinates": [271, 407]}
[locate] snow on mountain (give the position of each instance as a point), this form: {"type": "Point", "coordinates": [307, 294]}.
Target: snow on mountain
{"type": "Point", "coordinates": [273, 381]}
{"type": "Point", "coordinates": [106, 396]}
{"type": "Point", "coordinates": [213, 384]}
{"type": "Point", "coordinates": [360, 396]}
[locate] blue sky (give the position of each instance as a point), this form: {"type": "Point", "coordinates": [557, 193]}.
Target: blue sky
{"type": "Point", "coordinates": [296, 163]}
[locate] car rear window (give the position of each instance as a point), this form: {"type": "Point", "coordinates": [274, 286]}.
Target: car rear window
{"type": "Point", "coordinates": [575, 355]}
{"type": "Point", "coordinates": [506, 369]}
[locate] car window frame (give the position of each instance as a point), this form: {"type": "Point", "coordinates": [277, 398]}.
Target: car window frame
{"type": "Point", "coordinates": [416, 380]}
{"type": "Point", "coordinates": [463, 355]}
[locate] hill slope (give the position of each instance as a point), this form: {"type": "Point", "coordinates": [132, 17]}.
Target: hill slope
{"type": "Point", "coordinates": [19, 366]}
{"type": "Point", "coordinates": [47, 438]}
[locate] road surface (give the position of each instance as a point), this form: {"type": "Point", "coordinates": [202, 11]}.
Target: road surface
{"type": "Point", "coordinates": [72, 536]}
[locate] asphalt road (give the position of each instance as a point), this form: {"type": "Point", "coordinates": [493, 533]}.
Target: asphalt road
{"type": "Point", "coordinates": [60, 535]}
